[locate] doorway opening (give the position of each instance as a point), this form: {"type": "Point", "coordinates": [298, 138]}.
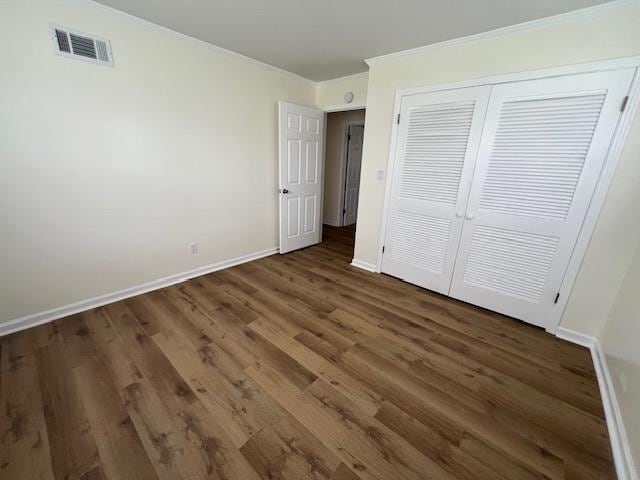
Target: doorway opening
{"type": "Point", "coordinates": [343, 159]}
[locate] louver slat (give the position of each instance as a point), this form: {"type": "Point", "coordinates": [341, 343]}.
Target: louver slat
{"type": "Point", "coordinates": [63, 41]}
{"type": "Point", "coordinates": [421, 240]}
{"type": "Point", "coordinates": [437, 137]}
{"type": "Point", "coordinates": [103, 53]}
{"type": "Point", "coordinates": [509, 262]}
{"type": "Point", "coordinates": [83, 46]}
{"type": "Point", "coordinates": [538, 154]}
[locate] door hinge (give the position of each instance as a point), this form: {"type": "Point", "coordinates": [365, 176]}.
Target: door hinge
{"type": "Point", "coordinates": [349, 137]}
{"type": "Point", "coordinates": [398, 120]}
{"type": "Point", "coordinates": [623, 106]}
{"type": "Point", "coordinates": [344, 210]}
{"type": "Point", "coordinates": [383, 249]}
{"type": "Point", "coordinates": [557, 298]}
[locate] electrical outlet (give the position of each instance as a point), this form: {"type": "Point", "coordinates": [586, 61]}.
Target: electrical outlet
{"type": "Point", "coordinates": [380, 174]}
{"type": "Point", "coordinates": [623, 382]}
{"type": "Point", "coordinates": [193, 248]}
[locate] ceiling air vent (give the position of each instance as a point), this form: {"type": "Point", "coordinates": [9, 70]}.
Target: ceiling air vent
{"type": "Point", "coordinates": [82, 46]}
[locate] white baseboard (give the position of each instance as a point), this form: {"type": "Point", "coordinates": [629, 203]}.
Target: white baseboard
{"type": "Point", "coordinates": [625, 466]}
{"type": "Point", "coordinates": [49, 315]}
{"type": "Point", "coordinates": [369, 267]}
{"type": "Point", "coordinates": [576, 337]}
{"type": "Point", "coordinates": [331, 223]}
{"type": "Point", "coordinates": [623, 460]}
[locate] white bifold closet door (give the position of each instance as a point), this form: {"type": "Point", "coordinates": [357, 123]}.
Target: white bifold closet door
{"type": "Point", "coordinates": [438, 140]}
{"type": "Point", "coordinates": [542, 150]}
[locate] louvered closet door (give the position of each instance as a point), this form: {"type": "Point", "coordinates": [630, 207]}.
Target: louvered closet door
{"type": "Point", "coordinates": [542, 150]}
{"type": "Point", "coordinates": [438, 139]}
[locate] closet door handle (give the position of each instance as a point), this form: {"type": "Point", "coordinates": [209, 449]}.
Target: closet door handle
{"type": "Point", "coordinates": [469, 216]}
{"type": "Point", "coordinates": [459, 214]}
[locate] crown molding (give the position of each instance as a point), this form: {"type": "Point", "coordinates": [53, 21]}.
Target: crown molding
{"type": "Point", "coordinates": [540, 24]}
{"type": "Point", "coordinates": [346, 78]}
{"type": "Point", "coordinates": [215, 48]}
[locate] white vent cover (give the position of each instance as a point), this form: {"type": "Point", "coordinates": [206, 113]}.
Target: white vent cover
{"type": "Point", "coordinates": [71, 43]}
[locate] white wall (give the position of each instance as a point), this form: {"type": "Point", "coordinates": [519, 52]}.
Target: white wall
{"type": "Point", "coordinates": [620, 341]}
{"type": "Point", "coordinates": [107, 175]}
{"type": "Point", "coordinates": [613, 35]}
{"type": "Point", "coordinates": [334, 166]}
{"type": "Point", "coordinates": [330, 93]}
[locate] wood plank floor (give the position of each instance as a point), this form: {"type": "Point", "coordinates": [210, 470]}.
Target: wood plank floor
{"type": "Point", "coordinates": [294, 367]}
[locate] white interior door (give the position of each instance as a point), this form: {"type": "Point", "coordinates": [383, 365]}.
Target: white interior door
{"type": "Point", "coordinates": [438, 139]}
{"type": "Point", "coordinates": [352, 181]}
{"type": "Point", "coordinates": [542, 151]}
{"type": "Point", "coordinates": [301, 163]}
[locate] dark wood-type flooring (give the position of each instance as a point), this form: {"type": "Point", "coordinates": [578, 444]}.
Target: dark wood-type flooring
{"type": "Point", "coordinates": [294, 367]}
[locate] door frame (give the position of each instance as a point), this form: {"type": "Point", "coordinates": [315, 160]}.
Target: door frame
{"type": "Point", "coordinates": [606, 175]}
{"type": "Point", "coordinates": [344, 165]}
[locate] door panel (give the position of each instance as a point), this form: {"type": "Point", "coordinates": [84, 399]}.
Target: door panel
{"type": "Point", "coordinates": [301, 143]}
{"type": "Point", "coordinates": [294, 155]}
{"type": "Point", "coordinates": [352, 183]}
{"type": "Point", "coordinates": [438, 139]}
{"type": "Point", "coordinates": [543, 147]}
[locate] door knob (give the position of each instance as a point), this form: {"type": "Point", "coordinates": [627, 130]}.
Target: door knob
{"type": "Point", "coordinates": [469, 216]}
{"type": "Point", "coordinates": [459, 214]}
{"type": "Point", "coordinates": [284, 190]}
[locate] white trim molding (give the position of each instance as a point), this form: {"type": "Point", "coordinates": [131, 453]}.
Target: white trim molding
{"type": "Point", "coordinates": [620, 447]}
{"type": "Point", "coordinates": [369, 267]}
{"type": "Point", "coordinates": [39, 318]}
{"type": "Point", "coordinates": [576, 337]}
{"type": "Point", "coordinates": [539, 24]}
{"type": "Point", "coordinates": [343, 107]}
{"type": "Point", "coordinates": [346, 78]}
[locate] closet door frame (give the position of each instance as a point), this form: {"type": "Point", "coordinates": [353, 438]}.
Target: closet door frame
{"type": "Point", "coordinates": [604, 181]}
